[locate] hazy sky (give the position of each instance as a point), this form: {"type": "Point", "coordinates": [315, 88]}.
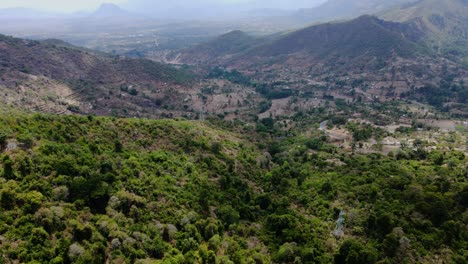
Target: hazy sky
{"type": "Point", "coordinates": [57, 5]}
{"type": "Point", "coordinates": [77, 5]}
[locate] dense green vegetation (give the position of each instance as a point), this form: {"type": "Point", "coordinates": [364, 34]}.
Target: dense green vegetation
{"type": "Point", "coordinates": [271, 91]}
{"type": "Point", "coordinates": [447, 95]}
{"type": "Point", "coordinates": [233, 76]}
{"type": "Point", "coordinates": [90, 189]}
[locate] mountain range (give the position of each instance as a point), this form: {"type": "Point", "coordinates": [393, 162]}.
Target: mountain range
{"type": "Point", "coordinates": [363, 38]}
{"type": "Point", "coordinates": [108, 10]}
{"type": "Point", "coordinates": [346, 9]}
{"type": "Point", "coordinates": [401, 32]}
{"type": "Point", "coordinates": [445, 23]}
{"type": "Point", "coordinates": [395, 56]}
{"type": "Point", "coordinates": [404, 46]}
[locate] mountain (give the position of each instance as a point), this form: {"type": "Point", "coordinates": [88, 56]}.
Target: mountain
{"type": "Point", "coordinates": [365, 35]}
{"type": "Point", "coordinates": [222, 47]}
{"type": "Point", "coordinates": [345, 9]}
{"type": "Point", "coordinates": [107, 10]}
{"type": "Point", "coordinates": [390, 59]}
{"type": "Point", "coordinates": [56, 76]}
{"type": "Point", "coordinates": [357, 41]}
{"type": "Point", "coordinates": [445, 22]}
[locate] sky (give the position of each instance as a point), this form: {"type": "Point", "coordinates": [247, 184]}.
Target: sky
{"type": "Point", "coordinates": [79, 5]}
{"type": "Point", "coordinates": [57, 5]}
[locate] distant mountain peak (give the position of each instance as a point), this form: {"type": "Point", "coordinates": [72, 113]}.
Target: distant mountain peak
{"type": "Point", "coordinates": [109, 10]}
{"type": "Point", "coordinates": [109, 6]}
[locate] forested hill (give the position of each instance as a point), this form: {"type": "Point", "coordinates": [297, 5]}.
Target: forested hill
{"type": "Point", "coordinates": [94, 190]}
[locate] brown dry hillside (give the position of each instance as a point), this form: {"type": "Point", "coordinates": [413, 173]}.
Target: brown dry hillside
{"type": "Point", "coordinates": [364, 36]}
{"type": "Point", "coordinates": [364, 41]}
{"type": "Point", "coordinates": [53, 76]}
{"type": "Point", "coordinates": [223, 46]}
{"type": "Point", "coordinates": [340, 9]}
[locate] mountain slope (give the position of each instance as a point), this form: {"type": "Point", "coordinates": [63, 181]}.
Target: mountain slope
{"type": "Point", "coordinates": [97, 83]}
{"type": "Point", "coordinates": [224, 46]}
{"type": "Point", "coordinates": [107, 10]}
{"type": "Point", "coordinates": [363, 36]}
{"type": "Point", "coordinates": [360, 40]}
{"type": "Point", "coordinates": [390, 58]}
{"type": "Point", "coordinates": [96, 190]}
{"type": "Point", "coordinates": [444, 22]}
{"type": "Point", "coordinates": [345, 9]}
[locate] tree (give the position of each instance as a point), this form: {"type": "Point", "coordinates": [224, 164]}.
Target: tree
{"type": "Point", "coordinates": [353, 252]}
{"type": "Point", "coordinates": [118, 146]}
{"type": "Point", "coordinates": [3, 140]}
{"type": "Point", "coordinates": [228, 215]}
{"type": "Point", "coordinates": [287, 253]}
{"type": "Point", "coordinates": [283, 225]}
{"type": "Point", "coordinates": [8, 168]}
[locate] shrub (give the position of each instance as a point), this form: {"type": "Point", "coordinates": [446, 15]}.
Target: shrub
{"type": "Point", "coordinates": [353, 252]}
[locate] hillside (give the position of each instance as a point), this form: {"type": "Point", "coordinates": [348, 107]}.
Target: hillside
{"type": "Point", "coordinates": [224, 46]}
{"type": "Point", "coordinates": [357, 42]}
{"type": "Point", "coordinates": [385, 60]}
{"type": "Point", "coordinates": [408, 30]}
{"type": "Point", "coordinates": [108, 10]}
{"type": "Point", "coordinates": [445, 23]}
{"type": "Point", "coordinates": [338, 143]}
{"type": "Point", "coordinates": [105, 190]}
{"type": "Point", "coordinates": [55, 76]}
{"type": "Point", "coordinates": [364, 36]}
{"type": "Point", "coordinates": [346, 9]}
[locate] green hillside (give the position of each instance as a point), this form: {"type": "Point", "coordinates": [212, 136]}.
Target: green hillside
{"type": "Point", "coordinates": [445, 23]}
{"type": "Point", "coordinates": [94, 190]}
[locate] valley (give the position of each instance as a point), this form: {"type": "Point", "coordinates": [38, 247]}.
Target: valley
{"type": "Point", "coordinates": [329, 134]}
